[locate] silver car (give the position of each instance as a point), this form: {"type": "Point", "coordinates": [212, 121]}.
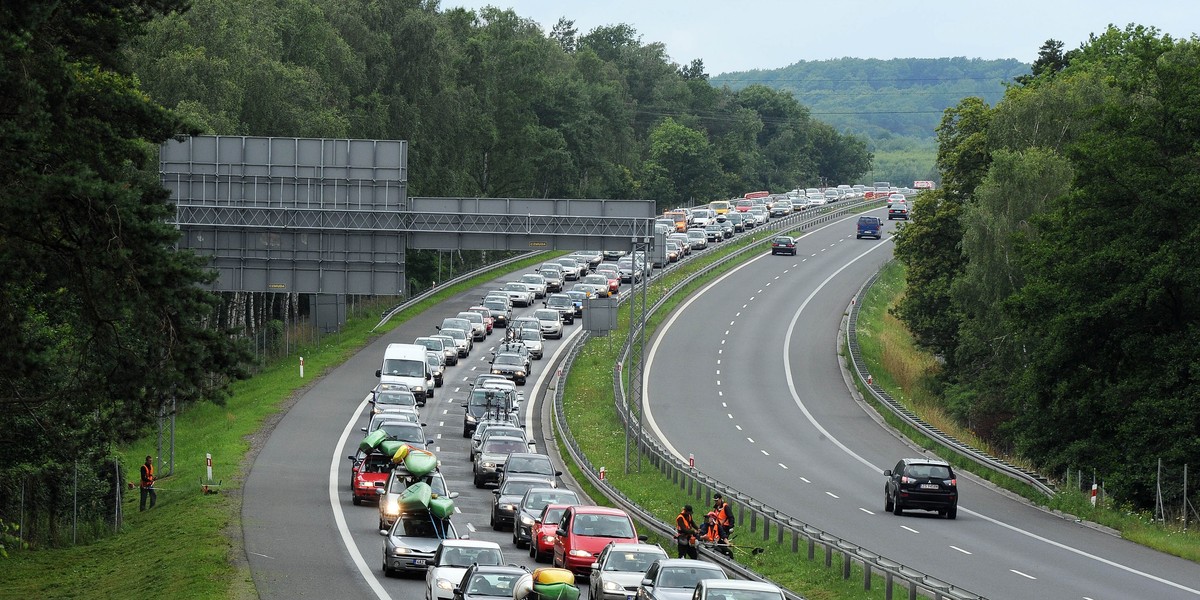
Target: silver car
{"type": "Point", "coordinates": [410, 544]}
{"type": "Point", "coordinates": [550, 322]}
{"type": "Point", "coordinates": [536, 284]}
{"type": "Point", "coordinates": [518, 292]}
{"type": "Point", "coordinates": [619, 569]}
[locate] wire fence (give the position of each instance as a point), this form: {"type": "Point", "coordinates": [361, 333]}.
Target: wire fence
{"type": "Point", "coordinates": [58, 505]}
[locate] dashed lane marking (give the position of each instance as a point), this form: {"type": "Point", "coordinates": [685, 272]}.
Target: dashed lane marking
{"type": "Point", "coordinates": [909, 528]}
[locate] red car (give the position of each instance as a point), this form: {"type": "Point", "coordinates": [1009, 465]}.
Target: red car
{"type": "Point", "coordinates": [368, 474]}
{"type": "Point", "coordinates": [614, 280]}
{"type": "Point", "coordinates": [585, 530]}
{"type": "Point", "coordinates": [542, 544]}
{"type": "Point", "coordinates": [488, 321]}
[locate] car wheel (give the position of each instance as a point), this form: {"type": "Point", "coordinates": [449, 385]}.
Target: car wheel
{"type": "Point", "coordinates": [952, 512]}
{"type": "Point", "coordinates": [533, 553]}
{"type": "Point", "coordinates": [429, 393]}
{"type": "Point", "coordinates": [438, 383]}
{"type": "Point", "coordinates": [356, 500]}
{"type": "Point", "coordinates": [386, 571]}
{"type": "Point", "coordinates": [521, 382]}
{"type": "Point", "coordinates": [887, 502]}
{"type": "Point", "coordinates": [478, 481]}
{"type": "Point", "coordinates": [897, 508]}
{"type": "Point", "coordinates": [466, 432]}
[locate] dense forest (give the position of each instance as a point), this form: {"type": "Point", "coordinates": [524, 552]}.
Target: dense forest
{"type": "Point", "coordinates": [896, 104]}
{"type": "Point", "coordinates": [104, 323]}
{"type": "Point", "coordinates": [1055, 270]}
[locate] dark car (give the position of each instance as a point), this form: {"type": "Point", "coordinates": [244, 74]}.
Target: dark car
{"type": "Point", "coordinates": [563, 304]}
{"type": "Point", "coordinates": [530, 464]}
{"type": "Point", "coordinates": [507, 497]}
{"type": "Point", "coordinates": [482, 582]}
{"type": "Point", "coordinates": [511, 366]}
{"type": "Point", "coordinates": [410, 544]}
{"type": "Point", "coordinates": [869, 227]}
{"type": "Point", "coordinates": [530, 508]}
{"type": "Point", "coordinates": [490, 459]}
{"type": "Point", "coordinates": [898, 210]}
{"type": "Point", "coordinates": [485, 403]}
{"type": "Point", "coordinates": [676, 578]}
{"type": "Point", "coordinates": [921, 483]}
{"type": "Point", "coordinates": [783, 245]}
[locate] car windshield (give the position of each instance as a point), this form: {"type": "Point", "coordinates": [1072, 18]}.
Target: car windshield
{"type": "Point", "coordinates": [492, 584]}
{"type": "Point", "coordinates": [533, 279]}
{"type": "Point", "coordinates": [516, 287]}
{"type": "Point", "coordinates": [631, 561]}
{"type": "Point", "coordinates": [610, 526]}
{"type": "Point", "coordinates": [928, 471]}
{"type": "Point", "coordinates": [457, 556]}
{"type": "Point", "coordinates": [537, 465]}
{"type": "Point", "coordinates": [536, 502]}
{"type": "Point", "coordinates": [546, 314]}
{"type": "Point", "coordinates": [404, 432]}
{"type": "Point", "coordinates": [514, 487]}
{"type": "Point", "coordinates": [430, 343]}
{"type": "Point", "coordinates": [783, 240]}
{"type": "Point", "coordinates": [509, 359]}
{"type": "Point", "coordinates": [505, 446]}
{"type": "Point", "coordinates": [399, 482]}
{"type": "Point", "coordinates": [457, 334]}
{"type": "Point", "coordinates": [686, 577]}
{"type": "Point", "coordinates": [495, 305]}
{"type": "Point", "coordinates": [424, 528]}
{"type": "Point", "coordinates": [553, 515]}
{"type": "Point", "coordinates": [404, 368]}
{"type": "Point", "coordinates": [559, 302]}
{"type": "Point", "coordinates": [531, 334]}
{"type": "Point", "coordinates": [395, 398]}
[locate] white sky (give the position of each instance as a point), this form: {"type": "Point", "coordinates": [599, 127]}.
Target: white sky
{"type": "Point", "coordinates": [768, 34]}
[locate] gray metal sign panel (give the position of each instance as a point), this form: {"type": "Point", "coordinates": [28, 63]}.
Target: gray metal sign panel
{"type": "Point", "coordinates": [600, 314]}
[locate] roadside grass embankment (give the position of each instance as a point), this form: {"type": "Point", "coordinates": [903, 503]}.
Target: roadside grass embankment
{"type": "Point", "coordinates": [190, 544]}
{"type": "Point", "coordinates": [897, 365]}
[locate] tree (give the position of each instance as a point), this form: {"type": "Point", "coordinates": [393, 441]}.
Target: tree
{"type": "Point", "coordinates": [687, 160]}
{"type": "Point", "coordinates": [566, 35]}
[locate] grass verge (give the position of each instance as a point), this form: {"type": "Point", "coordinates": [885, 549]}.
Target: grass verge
{"type": "Point", "coordinates": [189, 545]}
{"type": "Point", "coordinates": [902, 369]}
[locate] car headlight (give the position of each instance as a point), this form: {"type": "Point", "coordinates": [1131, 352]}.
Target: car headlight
{"type": "Point", "coordinates": [496, 372]}
{"type": "Point", "coordinates": [508, 507]}
{"type": "Point", "coordinates": [488, 465]}
{"type": "Point", "coordinates": [583, 553]}
{"type": "Point", "coordinates": [548, 539]}
{"type": "Point", "coordinates": [612, 586]}
{"type": "Point", "coordinates": [445, 584]}
{"type": "Point", "coordinates": [526, 520]}
{"type": "Point", "coordinates": [520, 373]}
{"type": "Point", "coordinates": [471, 418]}
{"type": "Point", "coordinates": [419, 388]}
{"type": "Point", "coordinates": [392, 508]}
{"type": "Point", "coordinates": [400, 550]}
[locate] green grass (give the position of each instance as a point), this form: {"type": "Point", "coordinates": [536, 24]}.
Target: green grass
{"type": "Point", "coordinates": [902, 369]}
{"type": "Point", "coordinates": [189, 545]}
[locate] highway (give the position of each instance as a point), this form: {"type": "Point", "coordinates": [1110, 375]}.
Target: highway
{"type": "Point", "coordinates": [745, 377]}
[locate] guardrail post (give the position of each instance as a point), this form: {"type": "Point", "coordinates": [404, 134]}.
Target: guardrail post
{"type": "Point", "coordinates": [887, 589]}
{"type": "Point", "coordinates": [812, 549]}
{"type": "Point", "coordinates": [866, 575]}
{"type": "Point", "coordinates": [795, 541]}
{"type": "Point", "coordinates": [753, 520]}
{"type": "Point", "coordinates": [691, 482]}
{"type": "Point", "coordinates": [912, 590]}
{"type": "Point", "coordinates": [741, 514]}
{"type": "Point", "coordinates": [828, 554]}
{"type": "Point", "coordinates": [766, 528]}
{"type": "Point", "coordinates": [845, 565]}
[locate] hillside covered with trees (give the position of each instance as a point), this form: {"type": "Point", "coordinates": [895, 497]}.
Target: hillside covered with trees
{"type": "Point", "coordinates": [895, 104]}
{"type": "Point", "coordinates": [1055, 271]}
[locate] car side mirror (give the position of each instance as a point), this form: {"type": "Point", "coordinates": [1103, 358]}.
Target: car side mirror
{"type": "Point", "coordinates": [559, 532]}
{"type": "Point", "coordinates": [452, 495]}
{"type": "Point", "coordinates": [887, 473]}
{"type": "Point", "coordinates": [647, 583]}
{"type": "Point", "coordinates": [495, 492]}
{"type": "Point", "coordinates": [642, 538]}
{"type": "Point", "coordinates": [378, 372]}
{"type": "Point", "coordinates": [380, 491]}
{"type": "Point", "coordinates": [351, 457]}
{"type": "Point", "coordinates": [383, 532]}
{"type": "Point", "coordinates": [362, 429]}
{"type": "Point", "coordinates": [595, 566]}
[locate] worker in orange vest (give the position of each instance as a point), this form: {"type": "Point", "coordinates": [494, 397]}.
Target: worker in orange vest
{"type": "Point", "coordinates": [148, 484]}
{"type": "Point", "coordinates": [724, 515]}
{"type": "Point", "coordinates": [685, 533]}
{"type": "Point", "coordinates": [710, 532]}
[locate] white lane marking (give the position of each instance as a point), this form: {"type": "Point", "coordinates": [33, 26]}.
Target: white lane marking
{"type": "Point", "coordinates": [731, 325]}
{"type": "Point", "coordinates": [439, 436]}
{"type": "Point", "coordinates": [813, 256]}
{"type": "Point", "coordinates": [339, 515]}
{"type": "Point", "coordinates": [739, 427]}
{"type": "Point", "coordinates": [752, 297]}
{"type": "Point", "coordinates": [722, 342]}
{"type": "Point", "coordinates": [720, 350]}
{"type": "Point", "coordinates": [262, 555]}
{"type": "Point", "coordinates": [724, 405]}
{"type": "Point", "coordinates": [441, 424]}
{"type": "Point", "coordinates": [737, 314]}
{"type": "Point", "coordinates": [764, 452]}
{"type": "Point", "coordinates": [768, 284]}
{"type": "Point", "coordinates": [718, 372]}
{"type": "Point", "coordinates": [726, 332]}
{"type": "Point", "coordinates": [719, 381]}
{"type": "Point", "coordinates": [1023, 574]}
{"type": "Point", "coordinates": [832, 495]}
{"type": "Point", "coordinates": [865, 510]}
{"type": "Point", "coordinates": [782, 465]}
{"type": "Point", "coordinates": [718, 361]}
{"type": "Point", "coordinates": [744, 306]}
{"type": "Point", "coordinates": [759, 291]}
{"type": "Point", "coordinates": [471, 527]}
{"type": "Point", "coordinates": [805, 480]}
{"type": "Point", "coordinates": [445, 411]}
{"type": "Point", "coordinates": [777, 277]}
{"type": "Point", "coordinates": [909, 528]}
{"type": "Point", "coordinates": [730, 415]}
{"type": "Point", "coordinates": [786, 270]}
{"type": "Point", "coordinates": [720, 394]}
{"type": "Point", "coordinates": [751, 439]}
{"type": "Point", "coordinates": [545, 373]}
{"type": "Point", "coordinates": [457, 510]}
{"type": "Point", "coordinates": [960, 550]}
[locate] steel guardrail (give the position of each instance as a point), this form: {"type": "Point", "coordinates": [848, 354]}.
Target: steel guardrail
{"type": "Point", "coordinates": [696, 482]}
{"type": "Point", "coordinates": [1036, 480]}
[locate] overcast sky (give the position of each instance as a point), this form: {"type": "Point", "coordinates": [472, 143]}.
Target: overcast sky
{"type": "Point", "coordinates": [768, 34]}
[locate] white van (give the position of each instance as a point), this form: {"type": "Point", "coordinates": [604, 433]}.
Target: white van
{"type": "Point", "coordinates": [405, 365]}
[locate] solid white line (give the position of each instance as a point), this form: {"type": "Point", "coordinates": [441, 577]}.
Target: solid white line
{"type": "Point", "coordinates": [960, 550]}
{"type": "Point", "coordinates": [339, 516]}
{"type": "Point", "coordinates": [262, 555]}
{"type": "Point", "coordinates": [909, 528]}
{"type": "Point", "coordinates": [1023, 574]}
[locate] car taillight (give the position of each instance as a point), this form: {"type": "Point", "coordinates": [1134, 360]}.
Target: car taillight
{"type": "Point", "coordinates": [906, 479]}
{"type": "Point", "coordinates": [951, 482]}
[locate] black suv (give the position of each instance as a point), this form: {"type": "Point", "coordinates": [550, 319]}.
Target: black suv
{"type": "Point", "coordinates": [921, 483]}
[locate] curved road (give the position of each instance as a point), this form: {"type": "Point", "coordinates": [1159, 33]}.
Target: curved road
{"type": "Point", "coordinates": [745, 376]}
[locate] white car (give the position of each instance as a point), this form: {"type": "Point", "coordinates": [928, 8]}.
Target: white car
{"type": "Point", "coordinates": [518, 292]}
{"type": "Point", "coordinates": [550, 322]}
{"type": "Point", "coordinates": [450, 563]}
{"type": "Point", "coordinates": [536, 284]}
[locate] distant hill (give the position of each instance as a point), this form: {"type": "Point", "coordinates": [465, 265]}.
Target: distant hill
{"type": "Point", "coordinates": [884, 98]}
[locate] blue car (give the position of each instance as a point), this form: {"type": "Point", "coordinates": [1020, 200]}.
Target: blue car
{"type": "Point", "coordinates": [870, 227]}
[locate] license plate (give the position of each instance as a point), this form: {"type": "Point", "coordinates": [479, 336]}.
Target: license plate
{"type": "Point", "coordinates": [417, 562]}
{"type": "Point", "coordinates": [930, 486]}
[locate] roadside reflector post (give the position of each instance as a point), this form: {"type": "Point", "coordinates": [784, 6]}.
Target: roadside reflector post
{"type": "Point", "coordinates": [603, 472]}
{"type": "Point", "coordinates": [692, 460]}
{"type": "Point", "coordinates": [207, 485]}
{"type": "Point", "coordinates": [1094, 487]}
{"type": "Point", "coordinates": [301, 367]}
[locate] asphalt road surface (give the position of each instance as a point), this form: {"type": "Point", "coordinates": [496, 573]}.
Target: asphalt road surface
{"type": "Point", "coordinates": [745, 377]}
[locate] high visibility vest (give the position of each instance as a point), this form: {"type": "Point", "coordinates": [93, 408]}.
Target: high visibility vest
{"type": "Point", "coordinates": [147, 475]}
{"type": "Point", "coordinates": [724, 518]}
{"type": "Point", "coordinates": [684, 525]}
{"type": "Point", "coordinates": [711, 532]}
